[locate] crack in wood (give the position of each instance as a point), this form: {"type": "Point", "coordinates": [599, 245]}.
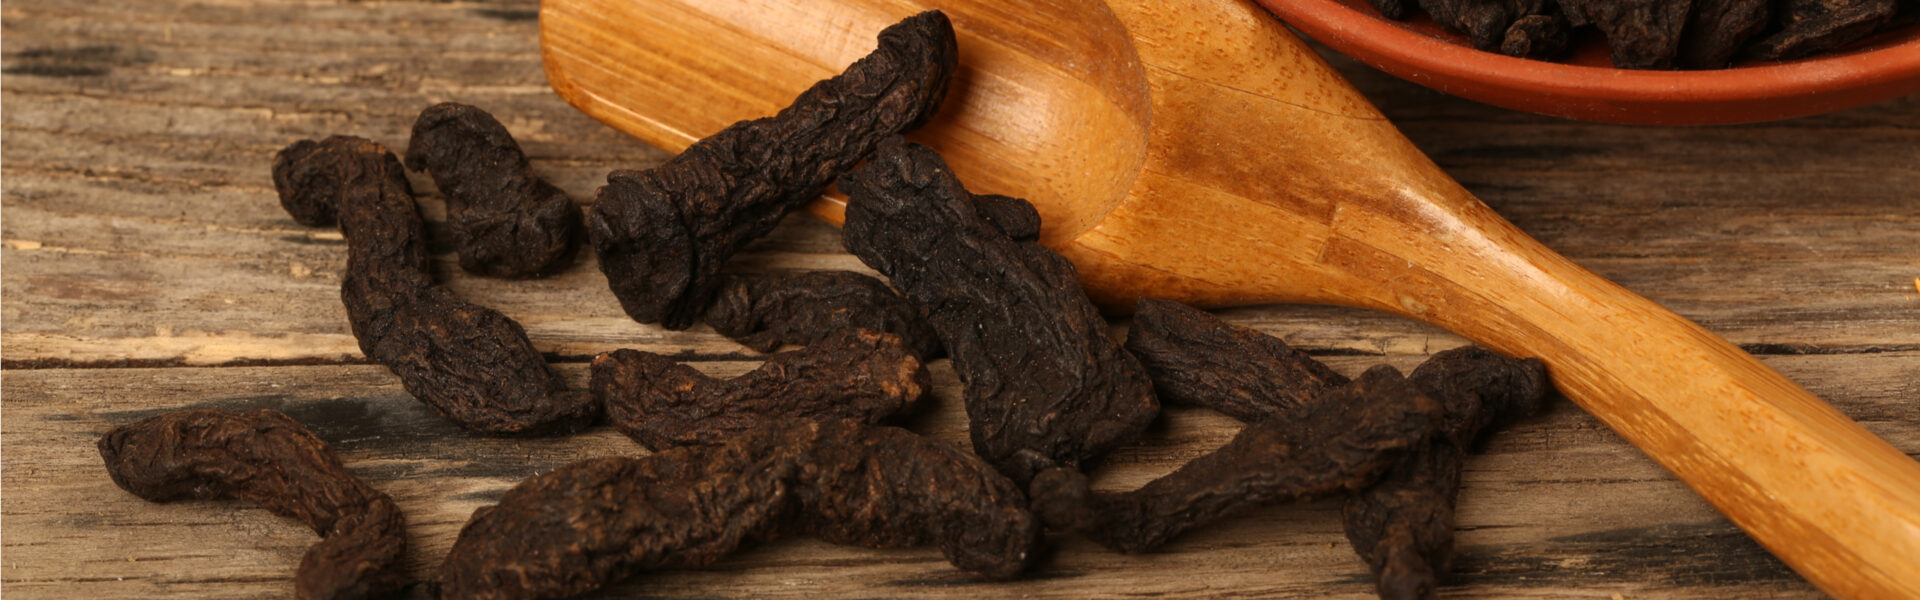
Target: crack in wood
{"type": "Point", "coordinates": [31, 364]}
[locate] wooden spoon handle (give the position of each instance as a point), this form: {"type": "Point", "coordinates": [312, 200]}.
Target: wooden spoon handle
{"type": "Point", "coordinates": [1839, 505]}
{"type": "Point", "coordinates": [1306, 194]}
{"type": "Point", "coordinates": [1835, 502]}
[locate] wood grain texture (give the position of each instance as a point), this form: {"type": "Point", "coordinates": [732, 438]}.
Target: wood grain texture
{"type": "Point", "coordinates": [140, 230]}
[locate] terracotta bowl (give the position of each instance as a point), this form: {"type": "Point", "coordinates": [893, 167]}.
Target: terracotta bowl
{"type": "Point", "coordinates": [1587, 87]}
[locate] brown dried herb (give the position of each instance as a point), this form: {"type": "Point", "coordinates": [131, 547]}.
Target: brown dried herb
{"type": "Point", "coordinates": [469, 363]}
{"type": "Point", "coordinates": [885, 487]}
{"type": "Point", "coordinates": [1718, 29]}
{"type": "Point", "coordinates": [662, 234]}
{"type": "Point", "coordinates": [864, 375]}
{"type": "Point", "coordinates": [764, 312]}
{"type": "Point", "coordinates": [1537, 37]}
{"type": "Point", "coordinates": [1483, 21]}
{"type": "Point", "coordinates": [1481, 391]}
{"type": "Point", "coordinates": [1810, 26]}
{"type": "Point", "coordinates": [1340, 441]}
{"type": "Point", "coordinates": [1015, 218]}
{"type": "Point", "coordinates": [1403, 525]}
{"type": "Point", "coordinates": [1657, 34]}
{"type": "Point", "coordinates": [1193, 356]}
{"type": "Point", "coordinates": [506, 221]}
{"type": "Point", "coordinates": [1641, 34]}
{"type": "Point", "coordinates": [266, 458]}
{"type": "Point", "coordinates": [591, 523]}
{"type": "Point", "coordinates": [1044, 385]}
{"type": "Point", "coordinates": [310, 177]}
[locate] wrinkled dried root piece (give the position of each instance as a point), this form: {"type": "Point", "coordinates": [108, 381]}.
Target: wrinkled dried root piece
{"type": "Point", "coordinates": [662, 234]}
{"type": "Point", "coordinates": [1015, 218]}
{"type": "Point", "coordinates": [1403, 525]}
{"type": "Point", "coordinates": [1481, 391]}
{"type": "Point", "coordinates": [1196, 358]}
{"type": "Point", "coordinates": [266, 458]}
{"type": "Point", "coordinates": [310, 177]}
{"type": "Point", "coordinates": [856, 374]}
{"type": "Point", "coordinates": [1341, 441]}
{"type": "Point", "coordinates": [1662, 34]}
{"type": "Point", "coordinates": [1483, 21]}
{"type": "Point", "coordinates": [885, 487]}
{"type": "Point", "coordinates": [1718, 29]}
{"type": "Point", "coordinates": [1537, 37]}
{"type": "Point", "coordinates": [468, 363]}
{"type": "Point", "coordinates": [765, 312]}
{"type": "Point", "coordinates": [591, 523]}
{"type": "Point", "coordinates": [471, 364]}
{"type": "Point", "coordinates": [506, 221]}
{"type": "Point", "coordinates": [1809, 26]}
{"type": "Point", "coordinates": [1044, 385]}
{"type": "Point", "coordinates": [1523, 28]}
{"type": "Point", "coordinates": [1641, 34]}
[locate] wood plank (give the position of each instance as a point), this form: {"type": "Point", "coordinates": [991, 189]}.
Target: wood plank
{"type": "Point", "coordinates": [1557, 506]}
{"type": "Point", "coordinates": [142, 224]}
{"type": "Point", "coordinates": [135, 284]}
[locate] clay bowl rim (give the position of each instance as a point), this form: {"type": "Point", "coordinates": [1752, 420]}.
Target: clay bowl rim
{"type": "Point", "coordinates": [1883, 66]}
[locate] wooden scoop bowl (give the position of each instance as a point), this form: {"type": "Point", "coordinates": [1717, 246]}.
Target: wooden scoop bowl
{"type": "Point", "coordinates": [1194, 150]}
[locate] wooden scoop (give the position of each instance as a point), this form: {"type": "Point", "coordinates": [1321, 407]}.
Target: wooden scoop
{"type": "Point", "coordinates": [1194, 150]}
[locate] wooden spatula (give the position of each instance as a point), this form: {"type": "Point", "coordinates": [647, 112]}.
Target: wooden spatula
{"type": "Point", "coordinates": [1194, 150]}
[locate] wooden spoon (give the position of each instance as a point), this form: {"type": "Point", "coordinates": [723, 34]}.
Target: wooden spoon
{"type": "Point", "coordinates": [1195, 150]}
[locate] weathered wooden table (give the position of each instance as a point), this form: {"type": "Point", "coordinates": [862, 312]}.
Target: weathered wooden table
{"type": "Point", "coordinates": [147, 267]}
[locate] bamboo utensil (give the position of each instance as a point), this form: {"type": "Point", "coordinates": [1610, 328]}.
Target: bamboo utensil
{"type": "Point", "coordinates": [1195, 150]}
